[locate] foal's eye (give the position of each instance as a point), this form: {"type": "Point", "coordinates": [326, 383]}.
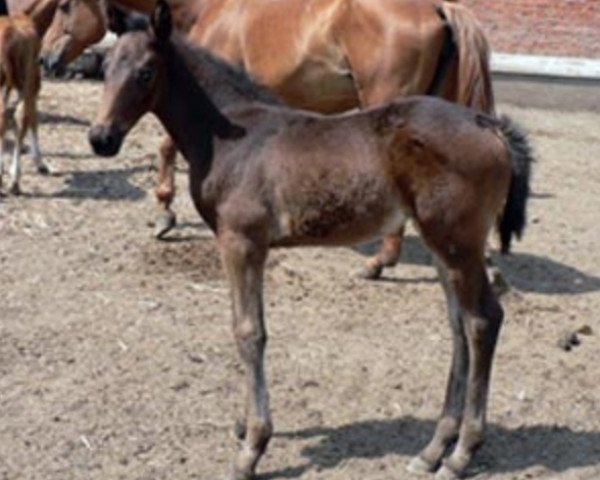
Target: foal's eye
{"type": "Point", "coordinates": [64, 7]}
{"type": "Point", "coordinates": [144, 75]}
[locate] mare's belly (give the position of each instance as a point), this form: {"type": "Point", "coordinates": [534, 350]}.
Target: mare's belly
{"type": "Point", "coordinates": [319, 87]}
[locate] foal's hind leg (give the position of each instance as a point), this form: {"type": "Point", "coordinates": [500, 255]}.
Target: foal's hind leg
{"type": "Point", "coordinates": [448, 425]}
{"type": "Point", "coordinates": [244, 261]}
{"type": "Point", "coordinates": [165, 190]}
{"type": "Point", "coordinates": [481, 316]}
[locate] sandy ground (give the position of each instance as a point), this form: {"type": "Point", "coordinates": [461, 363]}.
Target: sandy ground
{"type": "Point", "coordinates": [117, 361]}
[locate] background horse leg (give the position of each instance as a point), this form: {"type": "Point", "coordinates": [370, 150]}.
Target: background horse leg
{"type": "Point", "coordinates": [40, 165]}
{"type": "Point", "coordinates": [165, 191]}
{"type": "Point", "coordinates": [244, 262]}
{"type": "Point", "coordinates": [448, 425]}
{"type": "Point", "coordinates": [5, 119]}
{"type": "Point", "coordinates": [19, 128]}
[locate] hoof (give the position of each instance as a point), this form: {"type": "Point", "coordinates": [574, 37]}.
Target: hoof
{"type": "Point", "coordinates": [15, 189]}
{"type": "Point", "coordinates": [239, 429]}
{"type": "Point", "coordinates": [446, 473]}
{"type": "Point", "coordinates": [43, 169]}
{"type": "Point", "coordinates": [164, 224]}
{"type": "Point", "coordinates": [370, 272]}
{"type": "Point", "coordinates": [419, 466]}
{"type": "Point", "coordinates": [500, 285]}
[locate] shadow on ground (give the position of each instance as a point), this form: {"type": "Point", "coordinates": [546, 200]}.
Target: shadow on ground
{"type": "Point", "coordinates": [112, 184]}
{"type": "Point", "coordinates": [558, 449]}
{"type": "Point", "coordinates": [524, 271]}
{"type": "Point", "coordinates": [47, 117]}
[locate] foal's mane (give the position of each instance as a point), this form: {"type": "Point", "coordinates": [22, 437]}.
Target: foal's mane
{"type": "Point", "coordinates": [220, 78]}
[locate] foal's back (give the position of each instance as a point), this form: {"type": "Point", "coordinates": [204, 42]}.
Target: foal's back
{"type": "Point", "coordinates": [350, 177]}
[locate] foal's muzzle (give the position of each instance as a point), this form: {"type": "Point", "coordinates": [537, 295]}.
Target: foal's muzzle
{"type": "Point", "coordinates": [106, 140]}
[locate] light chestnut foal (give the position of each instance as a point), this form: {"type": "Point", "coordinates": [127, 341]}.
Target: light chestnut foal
{"type": "Point", "coordinates": [20, 42]}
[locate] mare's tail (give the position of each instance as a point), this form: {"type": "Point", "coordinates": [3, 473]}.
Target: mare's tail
{"type": "Point", "coordinates": [474, 83]}
{"type": "Point", "coordinates": [513, 218]}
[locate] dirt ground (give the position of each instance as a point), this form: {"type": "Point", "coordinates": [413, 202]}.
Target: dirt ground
{"type": "Point", "coordinates": [117, 360]}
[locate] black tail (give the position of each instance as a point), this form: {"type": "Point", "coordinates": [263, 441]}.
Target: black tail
{"type": "Point", "coordinates": [3, 8]}
{"type": "Point", "coordinates": [514, 216]}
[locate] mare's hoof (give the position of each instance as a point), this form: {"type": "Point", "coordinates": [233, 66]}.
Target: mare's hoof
{"type": "Point", "coordinates": [419, 466]}
{"type": "Point", "coordinates": [500, 285]}
{"type": "Point", "coordinates": [239, 429]}
{"type": "Point", "coordinates": [446, 473]}
{"type": "Point", "coordinates": [43, 169]}
{"type": "Point", "coordinates": [164, 224]}
{"type": "Point", "coordinates": [370, 272]}
{"type": "Point", "coordinates": [15, 189]}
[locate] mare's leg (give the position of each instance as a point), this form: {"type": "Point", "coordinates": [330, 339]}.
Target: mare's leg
{"type": "Point", "coordinates": [372, 94]}
{"type": "Point", "coordinates": [448, 425]}
{"type": "Point", "coordinates": [499, 282]}
{"type": "Point", "coordinates": [244, 259]}
{"type": "Point", "coordinates": [387, 256]}
{"type": "Point", "coordinates": [165, 190]}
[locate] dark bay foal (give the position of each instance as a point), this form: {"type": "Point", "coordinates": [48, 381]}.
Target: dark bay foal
{"type": "Point", "coordinates": [265, 176]}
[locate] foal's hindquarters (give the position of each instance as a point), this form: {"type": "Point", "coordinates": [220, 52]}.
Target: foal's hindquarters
{"type": "Point", "coordinates": [19, 71]}
{"type": "Point", "coordinates": [313, 181]}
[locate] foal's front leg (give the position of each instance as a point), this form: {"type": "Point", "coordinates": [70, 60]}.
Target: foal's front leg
{"type": "Point", "coordinates": [244, 260]}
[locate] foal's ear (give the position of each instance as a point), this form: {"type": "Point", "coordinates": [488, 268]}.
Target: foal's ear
{"type": "Point", "coordinates": [161, 21]}
{"type": "Point", "coordinates": [230, 131]}
{"type": "Point", "coordinates": [121, 21]}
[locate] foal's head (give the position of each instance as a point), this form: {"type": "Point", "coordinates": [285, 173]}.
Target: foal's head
{"type": "Point", "coordinates": [146, 72]}
{"type": "Point", "coordinates": [135, 73]}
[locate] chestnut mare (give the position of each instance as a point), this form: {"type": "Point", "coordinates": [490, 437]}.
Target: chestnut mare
{"type": "Point", "coordinates": [263, 175]}
{"type": "Point", "coordinates": [321, 55]}
{"type": "Point", "coordinates": [20, 42]}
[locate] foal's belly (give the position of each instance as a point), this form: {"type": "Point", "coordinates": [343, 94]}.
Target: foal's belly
{"type": "Point", "coordinates": [341, 213]}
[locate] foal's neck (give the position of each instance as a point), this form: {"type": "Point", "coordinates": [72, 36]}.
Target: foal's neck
{"type": "Point", "coordinates": [187, 113]}
{"type": "Point", "coordinates": [225, 84]}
